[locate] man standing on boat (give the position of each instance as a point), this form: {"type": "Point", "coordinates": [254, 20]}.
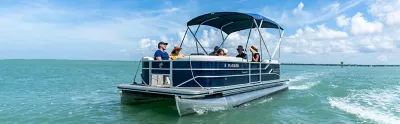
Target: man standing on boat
{"type": "Point", "coordinates": [160, 54]}
{"type": "Point", "coordinates": [241, 52]}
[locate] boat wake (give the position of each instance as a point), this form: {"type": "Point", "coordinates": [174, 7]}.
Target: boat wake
{"type": "Point", "coordinates": [380, 105]}
{"type": "Point", "coordinates": [305, 86]}
{"type": "Point", "coordinates": [304, 81]}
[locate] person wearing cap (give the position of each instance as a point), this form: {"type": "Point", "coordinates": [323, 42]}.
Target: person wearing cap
{"type": "Point", "coordinates": [215, 52]}
{"type": "Point", "coordinates": [241, 52]}
{"type": "Point", "coordinates": [160, 54]}
{"type": "Point", "coordinates": [254, 52]}
{"type": "Point", "coordinates": [175, 53]}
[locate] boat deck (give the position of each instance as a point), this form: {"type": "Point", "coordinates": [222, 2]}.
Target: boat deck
{"type": "Point", "coordinates": [182, 91]}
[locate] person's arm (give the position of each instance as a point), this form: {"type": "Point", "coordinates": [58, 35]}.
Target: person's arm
{"type": "Point", "coordinates": [157, 55]}
{"type": "Point", "coordinates": [255, 58]}
{"type": "Point", "coordinates": [169, 57]}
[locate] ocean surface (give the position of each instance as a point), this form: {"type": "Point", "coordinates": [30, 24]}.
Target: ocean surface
{"type": "Point", "coordinates": [65, 91]}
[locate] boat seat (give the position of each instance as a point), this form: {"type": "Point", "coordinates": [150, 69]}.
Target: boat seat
{"type": "Point", "coordinates": [147, 58]}
{"type": "Point", "coordinates": [160, 80]}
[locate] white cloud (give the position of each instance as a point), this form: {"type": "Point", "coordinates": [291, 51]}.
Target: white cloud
{"type": "Point", "coordinates": [382, 44]}
{"type": "Point", "coordinates": [42, 25]}
{"type": "Point", "coordinates": [320, 33]}
{"type": "Point", "coordinates": [298, 9]}
{"type": "Point", "coordinates": [321, 40]}
{"type": "Point", "coordinates": [342, 21]}
{"type": "Point", "coordinates": [386, 11]}
{"type": "Point", "coordinates": [302, 17]}
{"type": "Point", "coordinates": [324, 32]}
{"type": "Point", "coordinates": [361, 26]}
{"type": "Point", "coordinates": [210, 38]}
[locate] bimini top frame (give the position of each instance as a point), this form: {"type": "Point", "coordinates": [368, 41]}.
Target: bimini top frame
{"type": "Point", "coordinates": [230, 22]}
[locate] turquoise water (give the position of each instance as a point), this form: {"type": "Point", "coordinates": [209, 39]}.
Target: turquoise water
{"type": "Point", "coordinates": [62, 91]}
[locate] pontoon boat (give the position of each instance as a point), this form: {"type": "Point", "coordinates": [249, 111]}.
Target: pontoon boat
{"type": "Point", "coordinates": [200, 81]}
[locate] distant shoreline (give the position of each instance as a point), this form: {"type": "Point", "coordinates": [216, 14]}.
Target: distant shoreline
{"type": "Point", "coordinates": [356, 65]}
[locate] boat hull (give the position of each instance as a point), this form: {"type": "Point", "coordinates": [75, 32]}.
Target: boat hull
{"type": "Point", "coordinates": [189, 101]}
{"type": "Point", "coordinates": [189, 106]}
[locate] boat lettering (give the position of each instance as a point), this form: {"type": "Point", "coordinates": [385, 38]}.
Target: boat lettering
{"type": "Point", "coordinates": [232, 65]}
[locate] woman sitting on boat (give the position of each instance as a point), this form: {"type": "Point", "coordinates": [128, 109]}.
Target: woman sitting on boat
{"type": "Point", "coordinates": [222, 52]}
{"type": "Point", "coordinates": [175, 53]}
{"type": "Point", "coordinates": [254, 52]}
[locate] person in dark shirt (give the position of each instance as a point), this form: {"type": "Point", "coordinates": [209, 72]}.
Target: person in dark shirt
{"type": "Point", "coordinates": [254, 52]}
{"type": "Point", "coordinates": [215, 52]}
{"type": "Point", "coordinates": [241, 52]}
{"type": "Point", "coordinates": [160, 54]}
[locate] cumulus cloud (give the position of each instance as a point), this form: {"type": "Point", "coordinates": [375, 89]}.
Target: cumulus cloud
{"type": "Point", "coordinates": [41, 25]}
{"type": "Point", "coordinates": [211, 37]}
{"type": "Point", "coordinates": [321, 32]}
{"type": "Point", "coordinates": [359, 25]}
{"type": "Point", "coordinates": [376, 44]}
{"type": "Point", "coordinates": [319, 40]}
{"type": "Point", "coordinates": [303, 17]}
{"type": "Point", "coordinates": [342, 21]}
{"type": "Point", "coordinates": [298, 9]}
{"type": "Point", "coordinates": [387, 11]}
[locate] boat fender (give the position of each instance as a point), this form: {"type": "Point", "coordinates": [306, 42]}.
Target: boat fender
{"type": "Point", "coordinates": [210, 92]}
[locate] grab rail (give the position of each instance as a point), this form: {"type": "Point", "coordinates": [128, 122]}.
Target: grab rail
{"type": "Point", "coordinates": [150, 68]}
{"type": "Point", "coordinates": [219, 77]}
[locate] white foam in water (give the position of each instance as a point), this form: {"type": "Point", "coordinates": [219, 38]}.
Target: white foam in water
{"type": "Point", "coordinates": [305, 86]}
{"type": "Point", "coordinates": [380, 105]}
{"type": "Point", "coordinates": [304, 81]}
{"type": "Point", "coordinates": [305, 76]}
{"type": "Point", "coordinates": [201, 111]}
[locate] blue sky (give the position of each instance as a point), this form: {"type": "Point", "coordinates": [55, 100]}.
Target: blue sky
{"type": "Point", "coordinates": [316, 31]}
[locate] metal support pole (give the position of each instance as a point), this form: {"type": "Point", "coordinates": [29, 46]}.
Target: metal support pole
{"type": "Point", "coordinates": [194, 35]}
{"type": "Point", "coordinates": [184, 36]}
{"type": "Point", "coordinates": [249, 72]}
{"type": "Point", "coordinates": [261, 38]}
{"type": "Point", "coordinates": [150, 74]}
{"type": "Point", "coordinates": [222, 35]}
{"type": "Point", "coordinates": [197, 47]}
{"type": "Point", "coordinates": [259, 32]}
{"type": "Point", "coordinates": [279, 52]}
{"type": "Point", "coordinates": [260, 61]}
{"type": "Point", "coordinates": [279, 44]}
{"type": "Point", "coordinates": [248, 37]}
{"type": "Point", "coordinates": [171, 74]}
{"type": "Point", "coordinates": [223, 41]}
{"type": "Point", "coordinates": [197, 40]}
